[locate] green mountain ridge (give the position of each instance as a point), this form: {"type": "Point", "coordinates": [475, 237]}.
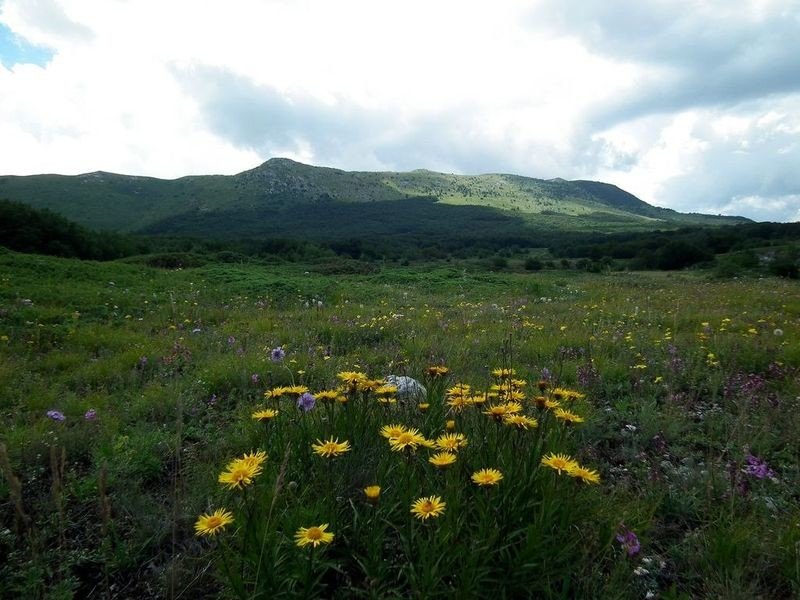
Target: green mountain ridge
{"type": "Point", "coordinates": [282, 196]}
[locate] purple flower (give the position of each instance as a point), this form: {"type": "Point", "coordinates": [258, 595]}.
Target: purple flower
{"type": "Point", "coordinates": [142, 362]}
{"type": "Point", "coordinates": [213, 400]}
{"type": "Point", "coordinates": [757, 467]}
{"type": "Point", "coordinates": [546, 374]}
{"type": "Point", "coordinates": [255, 378]}
{"type": "Point", "coordinates": [56, 415]}
{"type": "Point", "coordinates": [90, 415]}
{"type": "Point", "coordinates": [231, 340]}
{"type": "Point", "coordinates": [306, 402]}
{"type": "Point", "coordinates": [277, 354]}
{"type": "Point", "coordinates": [629, 541]}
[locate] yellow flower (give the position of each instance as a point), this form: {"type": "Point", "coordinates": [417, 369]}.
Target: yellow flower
{"type": "Point", "coordinates": [213, 523]}
{"type": "Point", "coordinates": [459, 403]}
{"type": "Point", "coordinates": [487, 477]}
{"type": "Point", "coordinates": [450, 425]}
{"type": "Point", "coordinates": [277, 392]}
{"type": "Point", "coordinates": [565, 394]}
{"type": "Point", "coordinates": [370, 385]}
{"type": "Point", "coordinates": [423, 406]}
{"type": "Point", "coordinates": [451, 442]}
{"type": "Point", "coordinates": [265, 414]}
{"type": "Point", "coordinates": [584, 474]}
{"type": "Point", "coordinates": [552, 403]}
{"type": "Point", "coordinates": [392, 431]}
{"type": "Point", "coordinates": [386, 390]}
{"type": "Point", "coordinates": [408, 440]}
{"type": "Point", "coordinates": [296, 390]}
{"type": "Point", "coordinates": [426, 507]}
{"type": "Point", "coordinates": [240, 474]}
{"type": "Point", "coordinates": [255, 459]}
{"type": "Point", "coordinates": [498, 411]}
{"type": "Point", "coordinates": [504, 373]}
{"type": "Point", "coordinates": [459, 389]}
{"type": "Point", "coordinates": [328, 396]}
{"type": "Point", "coordinates": [437, 371]}
{"type": "Point", "coordinates": [330, 447]}
{"type": "Point", "coordinates": [520, 421]}
{"type": "Point", "coordinates": [372, 492]}
{"type": "Point", "coordinates": [313, 536]}
{"type": "Point", "coordinates": [559, 462]}
{"type": "Point", "coordinates": [351, 378]}
{"type": "Point", "coordinates": [568, 416]}
{"type": "Point", "coordinates": [442, 459]}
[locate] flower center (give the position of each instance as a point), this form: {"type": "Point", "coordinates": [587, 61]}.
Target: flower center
{"type": "Point", "coordinates": [314, 533]}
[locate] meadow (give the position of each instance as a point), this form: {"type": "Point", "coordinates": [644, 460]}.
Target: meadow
{"type": "Point", "coordinates": [226, 431]}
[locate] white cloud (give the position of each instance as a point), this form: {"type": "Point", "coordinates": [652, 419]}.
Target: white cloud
{"type": "Point", "coordinates": [186, 86]}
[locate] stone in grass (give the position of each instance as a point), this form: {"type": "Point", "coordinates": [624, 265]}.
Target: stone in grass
{"type": "Point", "coordinates": [407, 388]}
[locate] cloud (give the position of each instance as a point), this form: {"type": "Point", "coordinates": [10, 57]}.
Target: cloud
{"type": "Point", "coordinates": [44, 23]}
{"type": "Point", "coordinates": [688, 105]}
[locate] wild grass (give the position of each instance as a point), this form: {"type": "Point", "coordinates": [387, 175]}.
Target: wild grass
{"type": "Point", "coordinates": [688, 386]}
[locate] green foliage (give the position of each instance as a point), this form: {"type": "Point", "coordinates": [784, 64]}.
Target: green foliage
{"type": "Point", "coordinates": [683, 377]}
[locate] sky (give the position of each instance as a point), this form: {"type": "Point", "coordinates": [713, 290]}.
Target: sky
{"type": "Point", "coordinates": [691, 105]}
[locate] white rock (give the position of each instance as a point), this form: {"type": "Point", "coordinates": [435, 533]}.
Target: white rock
{"type": "Point", "coordinates": [407, 387]}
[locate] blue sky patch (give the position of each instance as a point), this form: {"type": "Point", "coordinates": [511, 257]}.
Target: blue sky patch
{"type": "Point", "coordinates": [14, 50]}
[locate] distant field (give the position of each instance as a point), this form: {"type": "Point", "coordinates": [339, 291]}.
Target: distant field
{"type": "Point", "coordinates": [127, 391]}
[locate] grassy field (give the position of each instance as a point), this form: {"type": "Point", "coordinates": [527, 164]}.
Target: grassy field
{"type": "Point", "coordinates": [658, 457]}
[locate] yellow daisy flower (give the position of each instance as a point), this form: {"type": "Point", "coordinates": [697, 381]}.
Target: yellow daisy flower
{"type": "Point", "coordinates": [584, 474]}
{"type": "Point", "coordinates": [392, 431]}
{"type": "Point", "coordinates": [328, 396]}
{"type": "Point", "coordinates": [277, 392]}
{"type": "Point", "coordinates": [213, 523]}
{"type": "Point", "coordinates": [427, 507]}
{"type": "Point", "coordinates": [386, 390]}
{"type": "Point", "coordinates": [459, 403]}
{"type": "Point", "coordinates": [451, 442]}
{"type": "Point", "coordinates": [296, 390]}
{"type": "Point", "coordinates": [459, 389]}
{"type": "Point", "coordinates": [437, 371]}
{"type": "Point", "coordinates": [351, 378]}
{"type": "Point", "coordinates": [331, 447]}
{"type": "Point", "coordinates": [313, 536]}
{"type": "Point", "coordinates": [567, 416]}
{"type": "Point", "coordinates": [265, 414]}
{"type": "Point", "coordinates": [442, 459]}
{"type": "Point", "coordinates": [408, 440]}
{"type": "Point", "coordinates": [559, 462]}
{"type": "Point", "coordinates": [503, 373]}
{"type": "Point", "coordinates": [240, 474]}
{"type": "Point", "coordinates": [486, 477]}
{"type": "Point", "coordinates": [520, 421]}
{"type": "Point", "coordinates": [370, 385]}
{"type": "Point", "coordinates": [551, 404]}
{"type": "Point", "coordinates": [499, 411]}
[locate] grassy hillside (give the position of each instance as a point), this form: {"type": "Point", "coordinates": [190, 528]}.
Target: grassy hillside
{"type": "Point", "coordinates": [280, 192]}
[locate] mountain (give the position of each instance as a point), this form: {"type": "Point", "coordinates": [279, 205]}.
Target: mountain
{"type": "Point", "coordinates": [286, 198]}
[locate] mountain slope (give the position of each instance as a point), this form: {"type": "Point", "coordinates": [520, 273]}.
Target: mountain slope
{"type": "Point", "coordinates": [281, 192]}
